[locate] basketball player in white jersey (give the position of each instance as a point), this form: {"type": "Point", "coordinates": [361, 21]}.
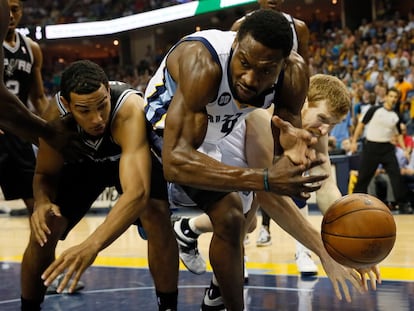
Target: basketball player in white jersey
{"type": "Point", "coordinates": [202, 90]}
{"type": "Point", "coordinates": [306, 266]}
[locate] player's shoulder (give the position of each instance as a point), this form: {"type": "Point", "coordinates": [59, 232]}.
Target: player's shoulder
{"type": "Point", "coordinates": [295, 64]}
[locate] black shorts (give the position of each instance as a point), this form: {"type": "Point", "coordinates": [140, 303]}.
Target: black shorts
{"type": "Point", "coordinates": [17, 165]}
{"type": "Point", "coordinates": [80, 184]}
{"type": "Point", "coordinates": [203, 198]}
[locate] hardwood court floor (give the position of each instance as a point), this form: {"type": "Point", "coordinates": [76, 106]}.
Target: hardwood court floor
{"type": "Point", "coordinates": [119, 278]}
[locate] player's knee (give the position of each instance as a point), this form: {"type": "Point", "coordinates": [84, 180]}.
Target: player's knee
{"type": "Point", "coordinates": [155, 215]}
{"type": "Point", "coordinates": [229, 224]}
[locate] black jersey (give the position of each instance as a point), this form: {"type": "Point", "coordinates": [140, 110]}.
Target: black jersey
{"type": "Point", "coordinates": [18, 62]}
{"type": "Point", "coordinates": [105, 147]}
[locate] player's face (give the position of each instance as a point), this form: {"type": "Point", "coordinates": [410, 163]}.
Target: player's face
{"type": "Point", "coordinates": [271, 4]}
{"type": "Point", "coordinates": [16, 12]}
{"type": "Point", "coordinates": [254, 69]}
{"type": "Point", "coordinates": [317, 119]}
{"type": "Point", "coordinates": [91, 111]}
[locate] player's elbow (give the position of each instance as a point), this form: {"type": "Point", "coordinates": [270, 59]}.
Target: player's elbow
{"type": "Point", "coordinates": [173, 166]}
{"type": "Point", "coordinates": [171, 173]}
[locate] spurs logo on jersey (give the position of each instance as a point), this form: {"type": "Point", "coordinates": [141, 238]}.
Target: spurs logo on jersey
{"type": "Point", "coordinates": [11, 65]}
{"type": "Point", "coordinates": [224, 113]}
{"type": "Point", "coordinates": [18, 62]}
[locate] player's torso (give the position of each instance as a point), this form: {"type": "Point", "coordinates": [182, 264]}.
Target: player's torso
{"type": "Point", "coordinates": [223, 113]}
{"type": "Point", "coordinates": [18, 62]}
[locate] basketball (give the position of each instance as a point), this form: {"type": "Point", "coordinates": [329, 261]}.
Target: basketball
{"type": "Point", "coordinates": [358, 230]}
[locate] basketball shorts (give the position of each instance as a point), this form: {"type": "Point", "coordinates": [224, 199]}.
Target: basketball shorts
{"type": "Point", "coordinates": [17, 166]}
{"type": "Point", "coordinates": [230, 150]}
{"type": "Point", "coordinates": [80, 184]}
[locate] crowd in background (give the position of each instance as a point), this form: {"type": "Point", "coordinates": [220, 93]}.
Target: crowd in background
{"type": "Point", "coordinates": [370, 59]}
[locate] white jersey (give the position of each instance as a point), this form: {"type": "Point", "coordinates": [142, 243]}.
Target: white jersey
{"type": "Point", "coordinates": [225, 112]}
{"type": "Point", "coordinates": [291, 21]}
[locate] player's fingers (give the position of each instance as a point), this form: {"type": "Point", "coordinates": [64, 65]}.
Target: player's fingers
{"type": "Point", "coordinates": [55, 211]}
{"type": "Point", "coordinates": [318, 161]}
{"type": "Point", "coordinates": [345, 289]}
{"type": "Point", "coordinates": [75, 281]}
{"type": "Point", "coordinates": [337, 289]}
{"type": "Point", "coordinates": [37, 231]}
{"type": "Point", "coordinates": [51, 273]}
{"type": "Point", "coordinates": [377, 274]}
{"type": "Point", "coordinates": [373, 283]}
{"type": "Point", "coordinates": [314, 180]}
{"type": "Point", "coordinates": [63, 283]}
{"type": "Point", "coordinates": [281, 124]}
{"type": "Point", "coordinates": [364, 281]}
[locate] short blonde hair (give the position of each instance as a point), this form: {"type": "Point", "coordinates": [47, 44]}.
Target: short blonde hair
{"type": "Point", "coordinates": [331, 89]}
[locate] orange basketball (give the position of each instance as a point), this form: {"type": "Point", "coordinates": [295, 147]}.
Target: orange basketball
{"type": "Point", "coordinates": [358, 230]}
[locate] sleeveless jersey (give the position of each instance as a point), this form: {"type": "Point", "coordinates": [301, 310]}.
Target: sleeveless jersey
{"type": "Point", "coordinates": [225, 112]}
{"type": "Point", "coordinates": [105, 147]}
{"type": "Point", "coordinates": [18, 62]}
{"type": "Point", "coordinates": [291, 21]}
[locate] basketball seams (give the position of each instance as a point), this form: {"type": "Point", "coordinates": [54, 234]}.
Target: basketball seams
{"type": "Point", "coordinates": [358, 230]}
{"type": "Point", "coordinates": [326, 221]}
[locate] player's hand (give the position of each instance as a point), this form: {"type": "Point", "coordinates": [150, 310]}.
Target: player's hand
{"type": "Point", "coordinates": [66, 140]}
{"type": "Point", "coordinates": [72, 262]}
{"type": "Point", "coordinates": [374, 275]}
{"type": "Point", "coordinates": [42, 215]}
{"type": "Point", "coordinates": [339, 275]}
{"type": "Point", "coordinates": [295, 142]}
{"type": "Point", "coordinates": [287, 178]}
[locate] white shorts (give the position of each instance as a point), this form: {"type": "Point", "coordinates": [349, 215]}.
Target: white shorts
{"type": "Point", "coordinates": [230, 151]}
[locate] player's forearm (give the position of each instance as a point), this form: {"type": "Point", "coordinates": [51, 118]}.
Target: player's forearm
{"type": "Point", "coordinates": [17, 119]}
{"type": "Point", "coordinates": [201, 171]}
{"type": "Point", "coordinates": [125, 212]}
{"type": "Point", "coordinates": [44, 189]}
{"type": "Point", "coordinates": [286, 214]}
{"type": "Point", "coordinates": [328, 194]}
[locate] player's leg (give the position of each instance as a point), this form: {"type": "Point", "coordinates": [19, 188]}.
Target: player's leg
{"type": "Point", "coordinates": [162, 253]}
{"type": "Point", "coordinates": [304, 262]}
{"type": "Point", "coordinates": [18, 164]}
{"type": "Point", "coordinates": [264, 238]}
{"type": "Point", "coordinates": [187, 231]}
{"type": "Point", "coordinates": [36, 259]}
{"type": "Point", "coordinates": [162, 245]}
{"type": "Point", "coordinates": [226, 248]}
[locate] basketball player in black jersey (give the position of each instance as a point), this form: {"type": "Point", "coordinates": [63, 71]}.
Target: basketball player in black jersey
{"type": "Point", "coordinates": [22, 76]}
{"type": "Point", "coordinates": [111, 120]}
{"type": "Point", "coordinates": [15, 117]}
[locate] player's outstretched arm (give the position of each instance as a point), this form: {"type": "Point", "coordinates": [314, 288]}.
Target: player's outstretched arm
{"type": "Point", "coordinates": [285, 213]}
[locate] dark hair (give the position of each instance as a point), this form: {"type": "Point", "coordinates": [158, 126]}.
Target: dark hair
{"type": "Point", "coordinates": [270, 28]}
{"type": "Point", "coordinates": [394, 89]}
{"type": "Point", "coordinates": [82, 77]}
